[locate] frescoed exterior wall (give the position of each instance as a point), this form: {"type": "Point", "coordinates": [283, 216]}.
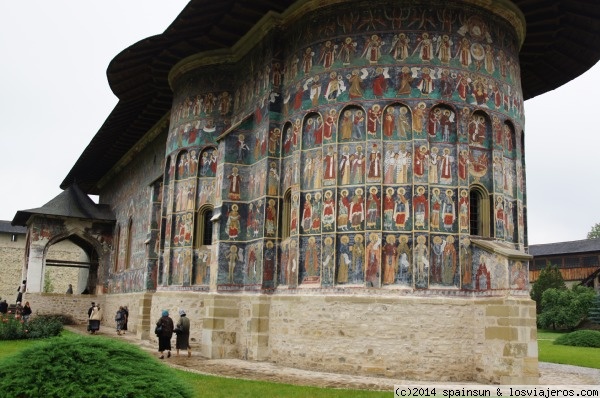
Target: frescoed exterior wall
{"type": "Point", "coordinates": [134, 195]}
{"type": "Point", "coordinates": [379, 121]}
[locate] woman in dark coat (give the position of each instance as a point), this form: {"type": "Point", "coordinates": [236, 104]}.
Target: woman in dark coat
{"type": "Point", "coordinates": [183, 334]}
{"type": "Point", "coordinates": [165, 334]}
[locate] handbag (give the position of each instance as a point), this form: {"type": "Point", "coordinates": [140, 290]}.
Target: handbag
{"type": "Point", "coordinates": [158, 330]}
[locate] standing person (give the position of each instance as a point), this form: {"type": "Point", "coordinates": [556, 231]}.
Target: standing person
{"type": "Point", "coordinates": [26, 311]}
{"type": "Point", "coordinates": [70, 289]}
{"type": "Point", "coordinates": [165, 334]}
{"type": "Point", "coordinates": [3, 307]}
{"type": "Point", "coordinates": [120, 319]}
{"type": "Point", "coordinates": [89, 328]}
{"type": "Point", "coordinates": [126, 313]}
{"type": "Point", "coordinates": [95, 318]}
{"type": "Point", "coordinates": [183, 334]}
{"type": "Point", "coordinates": [20, 291]}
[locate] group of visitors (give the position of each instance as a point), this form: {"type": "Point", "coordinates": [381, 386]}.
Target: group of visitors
{"type": "Point", "coordinates": [20, 310]}
{"type": "Point", "coordinates": [164, 331]}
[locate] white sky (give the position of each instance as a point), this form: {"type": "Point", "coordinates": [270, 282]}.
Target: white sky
{"type": "Point", "coordinates": [54, 97]}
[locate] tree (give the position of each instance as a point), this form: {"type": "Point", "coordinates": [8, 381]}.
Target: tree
{"type": "Point", "coordinates": [564, 308]}
{"type": "Point", "coordinates": [594, 232]}
{"type": "Point", "coordinates": [550, 277]}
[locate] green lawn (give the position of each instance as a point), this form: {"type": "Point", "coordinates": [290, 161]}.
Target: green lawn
{"type": "Point", "coordinates": [578, 356]}
{"type": "Point", "coordinates": [212, 386]}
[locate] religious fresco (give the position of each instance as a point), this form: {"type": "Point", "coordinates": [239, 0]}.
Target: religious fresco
{"type": "Point", "coordinates": [375, 123]}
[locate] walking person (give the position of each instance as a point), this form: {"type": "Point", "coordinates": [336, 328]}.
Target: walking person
{"type": "Point", "coordinates": [95, 319]}
{"type": "Point", "coordinates": [164, 332]}
{"type": "Point", "coordinates": [126, 312]}
{"type": "Point", "coordinates": [20, 291]}
{"type": "Point", "coordinates": [183, 334]}
{"type": "Point", "coordinates": [89, 328]}
{"type": "Point", "coordinates": [120, 319]}
{"type": "Point", "coordinates": [26, 311]}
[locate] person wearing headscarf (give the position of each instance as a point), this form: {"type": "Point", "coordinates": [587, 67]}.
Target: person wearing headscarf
{"type": "Point", "coordinates": [165, 324]}
{"type": "Point", "coordinates": [183, 334]}
{"type": "Point", "coordinates": [95, 318]}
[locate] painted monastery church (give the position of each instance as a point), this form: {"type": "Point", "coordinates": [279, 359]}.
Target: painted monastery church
{"type": "Point", "coordinates": [335, 185]}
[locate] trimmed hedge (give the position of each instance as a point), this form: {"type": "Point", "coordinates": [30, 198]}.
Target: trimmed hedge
{"type": "Point", "coordinates": [580, 338]}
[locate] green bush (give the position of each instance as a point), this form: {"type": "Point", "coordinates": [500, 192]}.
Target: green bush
{"type": "Point", "coordinates": [12, 328]}
{"type": "Point", "coordinates": [38, 327]}
{"type": "Point", "coordinates": [84, 366]}
{"type": "Point", "coordinates": [42, 326]}
{"type": "Point", "coordinates": [580, 338]}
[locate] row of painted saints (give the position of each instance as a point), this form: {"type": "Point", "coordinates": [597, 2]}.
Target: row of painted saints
{"type": "Point", "coordinates": [367, 260]}
{"type": "Point", "coordinates": [397, 210]}
{"type": "Point", "coordinates": [397, 122]}
{"type": "Point", "coordinates": [415, 82]}
{"type": "Point", "coordinates": [406, 48]}
{"type": "Point", "coordinates": [399, 260]}
{"type": "Point", "coordinates": [436, 210]}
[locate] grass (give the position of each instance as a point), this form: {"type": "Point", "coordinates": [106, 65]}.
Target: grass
{"type": "Point", "coordinates": [213, 386]}
{"type": "Point", "coordinates": [567, 355]}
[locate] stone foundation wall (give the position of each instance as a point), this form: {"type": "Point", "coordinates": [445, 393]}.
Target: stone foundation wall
{"type": "Point", "coordinates": [489, 340]}
{"type": "Point", "coordinates": [467, 339]}
{"type": "Point", "coordinates": [407, 338]}
{"type": "Point", "coordinates": [75, 305]}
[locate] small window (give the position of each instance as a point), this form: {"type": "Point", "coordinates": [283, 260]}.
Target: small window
{"type": "Point", "coordinates": [479, 207]}
{"type": "Point", "coordinates": [117, 247]}
{"type": "Point", "coordinates": [204, 227]}
{"type": "Point", "coordinates": [129, 249]}
{"type": "Point", "coordinates": [286, 215]}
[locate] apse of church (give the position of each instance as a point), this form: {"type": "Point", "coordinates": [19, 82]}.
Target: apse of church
{"type": "Point", "coordinates": [356, 145]}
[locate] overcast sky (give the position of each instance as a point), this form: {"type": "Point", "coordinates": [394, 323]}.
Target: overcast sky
{"type": "Point", "coordinates": [54, 97]}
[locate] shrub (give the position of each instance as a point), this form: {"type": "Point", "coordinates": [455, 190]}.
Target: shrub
{"type": "Point", "coordinates": [84, 366]}
{"type": "Point", "coordinates": [43, 326]}
{"type": "Point", "coordinates": [12, 328]}
{"type": "Point", "coordinates": [38, 327]}
{"type": "Point", "coordinates": [580, 338]}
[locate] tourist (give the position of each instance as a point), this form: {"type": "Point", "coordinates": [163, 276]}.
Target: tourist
{"type": "Point", "coordinates": [26, 311]}
{"type": "Point", "coordinates": [126, 312]}
{"type": "Point", "coordinates": [89, 316]}
{"type": "Point", "coordinates": [95, 318]}
{"type": "Point", "coordinates": [70, 289]}
{"type": "Point", "coordinates": [164, 332]}
{"type": "Point", "coordinates": [3, 307]}
{"type": "Point", "coordinates": [183, 334]}
{"type": "Point", "coordinates": [18, 310]}
{"type": "Point", "coordinates": [120, 319]}
{"type": "Point", "coordinates": [21, 290]}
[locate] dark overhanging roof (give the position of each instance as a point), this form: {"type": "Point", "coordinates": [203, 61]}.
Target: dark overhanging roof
{"type": "Point", "coordinates": [70, 203]}
{"type": "Point", "coordinates": [562, 248]}
{"type": "Point", "coordinates": [561, 43]}
{"type": "Point", "coordinates": [7, 228]}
